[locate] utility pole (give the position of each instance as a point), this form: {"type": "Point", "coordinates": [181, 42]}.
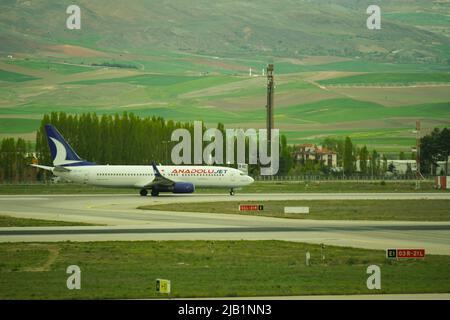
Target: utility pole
{"type": "Point", "coordinates": [270, 106]}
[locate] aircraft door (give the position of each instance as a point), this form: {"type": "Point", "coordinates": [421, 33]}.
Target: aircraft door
{"type": "Point", "coordinates": [85, 177]}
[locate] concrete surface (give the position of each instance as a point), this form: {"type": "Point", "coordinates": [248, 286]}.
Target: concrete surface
{"type": "Point", "coordinates": [124, 222]}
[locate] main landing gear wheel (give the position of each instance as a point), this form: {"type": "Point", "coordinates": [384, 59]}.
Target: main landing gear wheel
{"type": "Point", "coordinates": [154, 193]}
{"type": "Point", "coordinates": [143, 192]}
{"type": "Point", "coordinates": [231, 192]}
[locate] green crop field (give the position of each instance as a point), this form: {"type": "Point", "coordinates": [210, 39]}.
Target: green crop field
{"type": "Point", "coordinates": [421, 18]}
{"type": "Point", "coordinates": [390, 78]}
{"type": "Point", "coordinates": [18, 125]}
{"type": "Point", "coordinates": [14, 77]}
{"type": "Point", "coordinates": [50, 65]}
{"type": "Point", "coordinates": [144, 80]}
{"type": "Point", "coordinates": [128, 270]}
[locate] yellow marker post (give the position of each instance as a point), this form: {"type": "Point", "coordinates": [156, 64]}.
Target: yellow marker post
{"type": "Point", "coordinates": [163, 286]}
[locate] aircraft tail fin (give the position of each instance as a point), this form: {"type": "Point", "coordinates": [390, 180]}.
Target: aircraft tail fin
{"type": "Point", "coordinates": [61, 152]}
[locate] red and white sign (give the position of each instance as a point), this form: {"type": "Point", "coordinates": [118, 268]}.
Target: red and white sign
{"type": "Point", "coordinates": [410, 253]}
{"type": "Point", "coordinates": [442, 182]}
{"type": "Point", "coordinates": [250, 207]}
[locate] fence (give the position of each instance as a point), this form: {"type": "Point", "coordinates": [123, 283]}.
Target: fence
{"type": "Point", "coordinates": [339, 178]}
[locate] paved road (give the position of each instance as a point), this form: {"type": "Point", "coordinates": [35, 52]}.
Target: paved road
{"type": "Point", "coordinates": [124, 222]}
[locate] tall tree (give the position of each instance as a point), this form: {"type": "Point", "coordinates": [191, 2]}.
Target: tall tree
{"type": "Point", "coordinates": [21, 151]}
{"type": "Point", "coordinates": [434, 147]}
{"type": "Point", "coordinates": [363, 157]}
{"type": "Point", "coordinates": [374, 163]}
{"type": "Point", "coordinates": [348, 156]}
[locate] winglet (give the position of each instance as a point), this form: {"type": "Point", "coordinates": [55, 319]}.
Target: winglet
{"type": "Point", "coordinates": [155, 170]}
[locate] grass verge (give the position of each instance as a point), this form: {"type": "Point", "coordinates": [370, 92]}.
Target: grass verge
{"type": "Point", "coordinates": [256, 187]}
{"type": "Point", "coordinates": [207, 269]}
{"type": "Point", "coordinates": [7, 221]}
{"type": "Point", "coordinates": [403, 210]}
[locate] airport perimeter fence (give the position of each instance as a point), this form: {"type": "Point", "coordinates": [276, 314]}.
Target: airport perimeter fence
{"type": "Point", "coordinates": [340, 178]}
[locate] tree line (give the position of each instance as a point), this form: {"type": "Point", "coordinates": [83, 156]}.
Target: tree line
{"type": "Point", "coordinates": [15, 154]}
{"type": "Point", "coordinates": [129, 139]}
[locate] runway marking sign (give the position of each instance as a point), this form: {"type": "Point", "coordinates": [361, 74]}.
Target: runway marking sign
{"type": "Point", "coordinates": [163, 286]}
{"type": "Point", "coordinates": [391, 253]}
{"type": "Point", "coordinates": [405, 253]}
{"type": "Point", "coordinates": [251, 207]}
{"type": "Point", "coordinates": [296, 209]}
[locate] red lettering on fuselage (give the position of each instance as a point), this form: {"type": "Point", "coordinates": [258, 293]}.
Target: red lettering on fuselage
{"type": "Point", "coordinates": [198, 171]}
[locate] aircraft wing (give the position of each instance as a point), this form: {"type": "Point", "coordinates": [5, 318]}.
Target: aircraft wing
{"type": "Point", "coordinates": [159, 178]}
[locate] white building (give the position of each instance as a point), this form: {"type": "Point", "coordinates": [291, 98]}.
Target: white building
{"type": "Point", "coordinates": [440, 168]}
{"type": "Point", "coordinates": [402, 166]}
{"type": "Point", "coordinates": [398, 166]}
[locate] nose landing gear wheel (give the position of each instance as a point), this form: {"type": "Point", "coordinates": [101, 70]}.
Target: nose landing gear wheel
{"type": "Point", "coordinates": [143, 192]}
{"type": "Point", "coordinates": [232, 192]}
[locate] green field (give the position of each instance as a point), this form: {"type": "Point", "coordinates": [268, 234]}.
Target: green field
{"type": "Point", "coordinates": [50, 65]}
{"type": "Point", "coordinates": [145, 80]}
{"type": "Point", "coordinates": [390, 78]}
{"type": "Point", "coordinates": [14, 77]}
{"type": "Point", "coordinates": [420, 18]}
{"type": "Point", "coordinates": [402, 210]}
{"type": "Point", "coordinates": [233, 100]}
{"type": "Point", "coordinates": [7, 221]}
{"type": "Point", "coordinates": [127, 270]}
{"type": "Point", "coordinates": [18, 125]}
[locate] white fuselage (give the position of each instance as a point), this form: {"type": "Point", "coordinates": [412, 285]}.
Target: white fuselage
{"type": "Point", "coordinates": [141, 176]}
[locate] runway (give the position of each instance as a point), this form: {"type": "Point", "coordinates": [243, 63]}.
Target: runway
{"type": "Point", "coordinates": [122, 221]}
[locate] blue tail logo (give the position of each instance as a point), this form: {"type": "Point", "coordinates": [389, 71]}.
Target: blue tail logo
{"type": "Point", "coordinates": [61, 152]}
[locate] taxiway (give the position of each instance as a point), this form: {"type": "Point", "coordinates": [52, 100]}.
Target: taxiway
{"type": "Point", "coordinates": [121, 220]}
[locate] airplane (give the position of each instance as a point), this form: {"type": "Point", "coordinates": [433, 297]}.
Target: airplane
{"type": "Point", "coordinates": [176, 179]}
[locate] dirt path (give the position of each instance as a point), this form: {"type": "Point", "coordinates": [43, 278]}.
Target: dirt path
{"type": "Point", "coordinates": [53, 251]}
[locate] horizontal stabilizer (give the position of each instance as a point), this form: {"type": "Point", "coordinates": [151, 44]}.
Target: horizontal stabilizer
{"type": "Point", "coordinates": [61, 169]}
{"type": "Point", "coordinates": [42, 167]}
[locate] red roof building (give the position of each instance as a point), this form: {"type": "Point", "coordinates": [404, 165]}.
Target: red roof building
{"type": "Point", "coordinates": [315, 153]}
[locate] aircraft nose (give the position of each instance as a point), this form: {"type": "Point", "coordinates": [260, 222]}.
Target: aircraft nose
{"type": "Point", "coordinates": [250, 179]}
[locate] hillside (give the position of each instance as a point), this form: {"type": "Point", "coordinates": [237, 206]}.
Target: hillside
{"type": "Point", "coordinates": [411, 30]}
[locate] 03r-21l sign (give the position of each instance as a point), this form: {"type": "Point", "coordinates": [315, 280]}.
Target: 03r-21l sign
{"type": "Point", "coordinates": [405, 253]}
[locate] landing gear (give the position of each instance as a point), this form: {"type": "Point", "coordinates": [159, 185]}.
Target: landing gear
{"type": "Point", "coordinates": [231, 192]}
{"type": "Point", "coordinates": [143, 192]}
{"type": "Point", "coordinates": [154, 193]}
